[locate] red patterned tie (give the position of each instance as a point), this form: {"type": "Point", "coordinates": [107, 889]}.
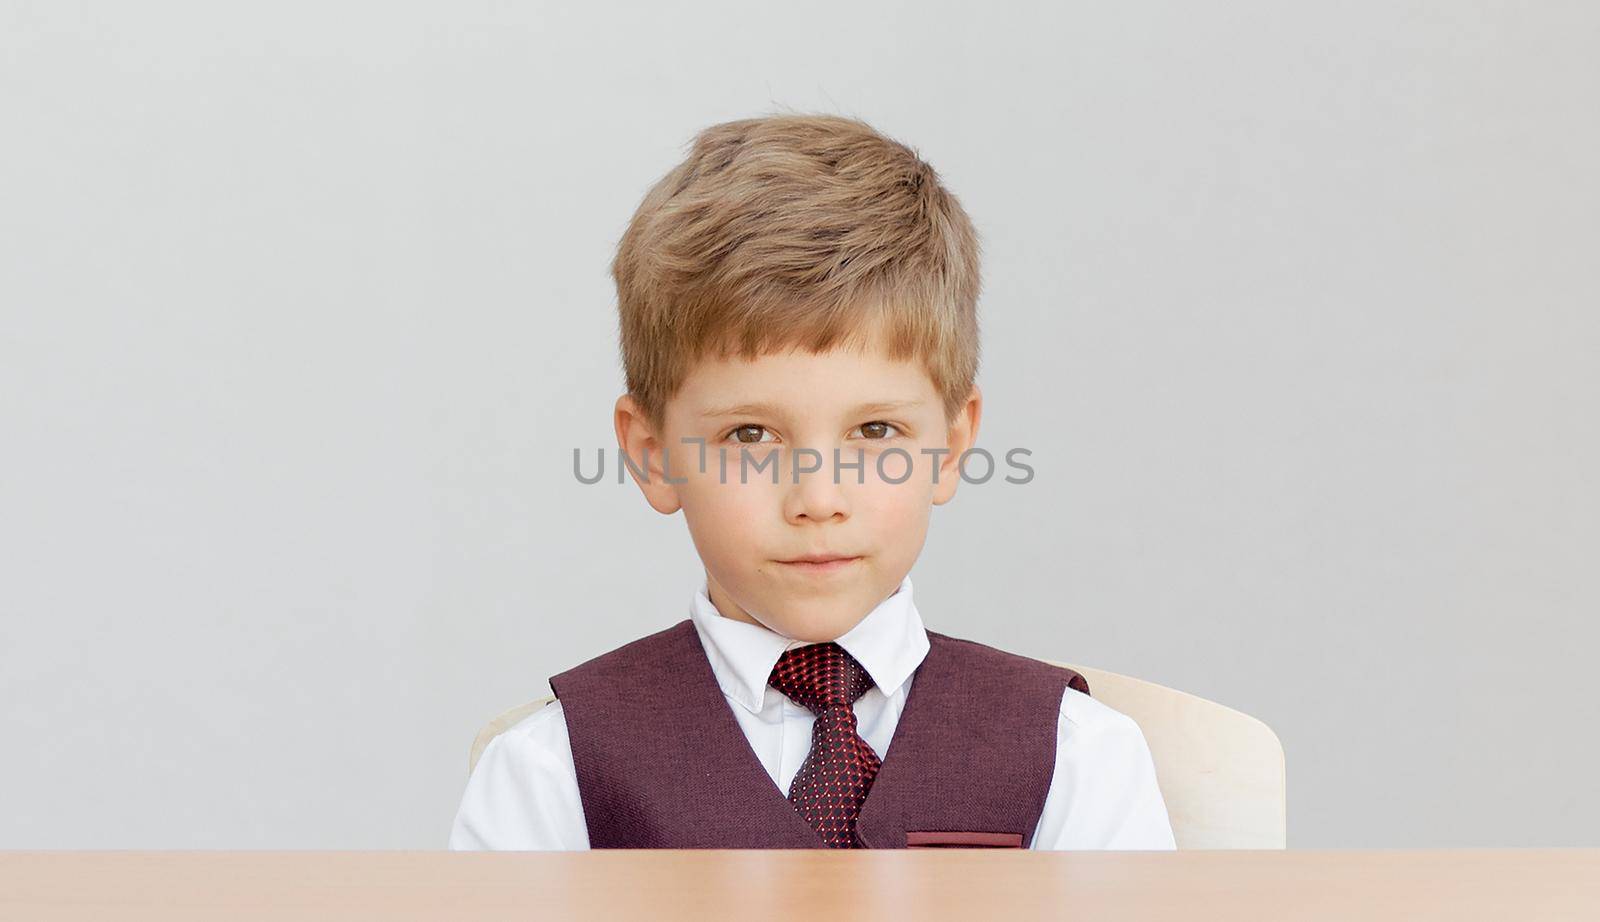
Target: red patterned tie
{"type": "Point", "coordinates": [834, 779]}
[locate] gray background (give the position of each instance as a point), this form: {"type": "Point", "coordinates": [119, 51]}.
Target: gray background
{"type": "Point", "coordinates": [306, 306]}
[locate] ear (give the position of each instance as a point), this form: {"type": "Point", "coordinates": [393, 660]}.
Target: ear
{"type": "Point", "coordinates": [642, 445]}
{"type": "Point", "coordinates": [963, 434]}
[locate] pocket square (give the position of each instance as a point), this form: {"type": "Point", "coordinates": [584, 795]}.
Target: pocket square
{"type": "Point", "coordinates": [958, 839]}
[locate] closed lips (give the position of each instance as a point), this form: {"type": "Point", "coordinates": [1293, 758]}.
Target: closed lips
{"type": "Point", "coordinates": [818, 558]}
{"type": "Point", "coordinates": [819, 566]}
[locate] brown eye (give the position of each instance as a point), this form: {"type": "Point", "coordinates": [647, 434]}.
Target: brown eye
{"type": "Point", "coordinates": [754, 434]}
{"type": "Point", "coordinates": [877, 430]}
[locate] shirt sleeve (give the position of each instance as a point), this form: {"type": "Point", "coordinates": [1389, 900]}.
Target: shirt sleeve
{"type": "Point", "coordinates": [1103, 792]}
{"type": "Point", "coordinates": [523, 793]}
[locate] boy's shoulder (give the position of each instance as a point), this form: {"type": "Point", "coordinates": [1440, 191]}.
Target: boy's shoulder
{"type": "Point", "coordinates": [1080, 712]}
{"type": "Point", "coordinates": [990, 660]}
{"type": "Point", "coordinates": [648, 657]}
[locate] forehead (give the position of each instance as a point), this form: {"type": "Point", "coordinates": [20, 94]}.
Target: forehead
{"type": "Point", "coordinates": [801, 379]}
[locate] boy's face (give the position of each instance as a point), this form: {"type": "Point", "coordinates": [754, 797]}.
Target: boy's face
{"type": "Point", "coordinates": [753, 536]}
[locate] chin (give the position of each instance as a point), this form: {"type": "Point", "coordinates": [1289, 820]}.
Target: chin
{"type": "Point", "coordinates": [818, 626]}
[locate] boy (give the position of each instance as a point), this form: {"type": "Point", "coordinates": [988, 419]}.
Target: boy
{"type": "Point", "coordinates": [803, 290]}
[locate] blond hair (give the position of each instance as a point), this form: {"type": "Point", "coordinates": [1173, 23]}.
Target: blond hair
{"type": "Point", "coordinates": [785, 231]}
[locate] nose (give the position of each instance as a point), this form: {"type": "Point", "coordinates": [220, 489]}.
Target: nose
{"type": "Point", "coordinates": [813, 495]}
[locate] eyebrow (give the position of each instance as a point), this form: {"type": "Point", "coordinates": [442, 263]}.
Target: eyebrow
{"type": "Point", "coordinates": [758, 409]}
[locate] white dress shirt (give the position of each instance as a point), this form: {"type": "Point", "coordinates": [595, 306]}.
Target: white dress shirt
{"type": "Point", "coordinates": [523, 794]}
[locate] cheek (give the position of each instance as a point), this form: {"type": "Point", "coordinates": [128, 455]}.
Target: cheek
{"type": "Point", "coordinates": [725, 518]}
{"type": "Point", "coordinates": [890, 509]}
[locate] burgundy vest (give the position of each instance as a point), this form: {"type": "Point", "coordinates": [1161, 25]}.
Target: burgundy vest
{"type": "Point", "coordinates": [662, 762]}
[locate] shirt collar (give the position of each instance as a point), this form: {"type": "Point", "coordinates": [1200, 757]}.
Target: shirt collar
{"type": "Point", "coordinates": [889, 643]}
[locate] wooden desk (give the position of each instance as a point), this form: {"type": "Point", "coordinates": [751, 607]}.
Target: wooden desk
{"type": "Point", "coordinates": [1502, 885]}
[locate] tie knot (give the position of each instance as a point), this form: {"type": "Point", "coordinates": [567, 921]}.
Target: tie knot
{"type": "Point", "coordinates": [820, 675]}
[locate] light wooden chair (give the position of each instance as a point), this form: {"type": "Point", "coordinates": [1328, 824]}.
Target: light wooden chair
{"type": "Point", "coordinates": [1221, 772]}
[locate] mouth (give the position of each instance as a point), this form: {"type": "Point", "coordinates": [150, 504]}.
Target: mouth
{"type": "Point", "coordinates": [819, 563]}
